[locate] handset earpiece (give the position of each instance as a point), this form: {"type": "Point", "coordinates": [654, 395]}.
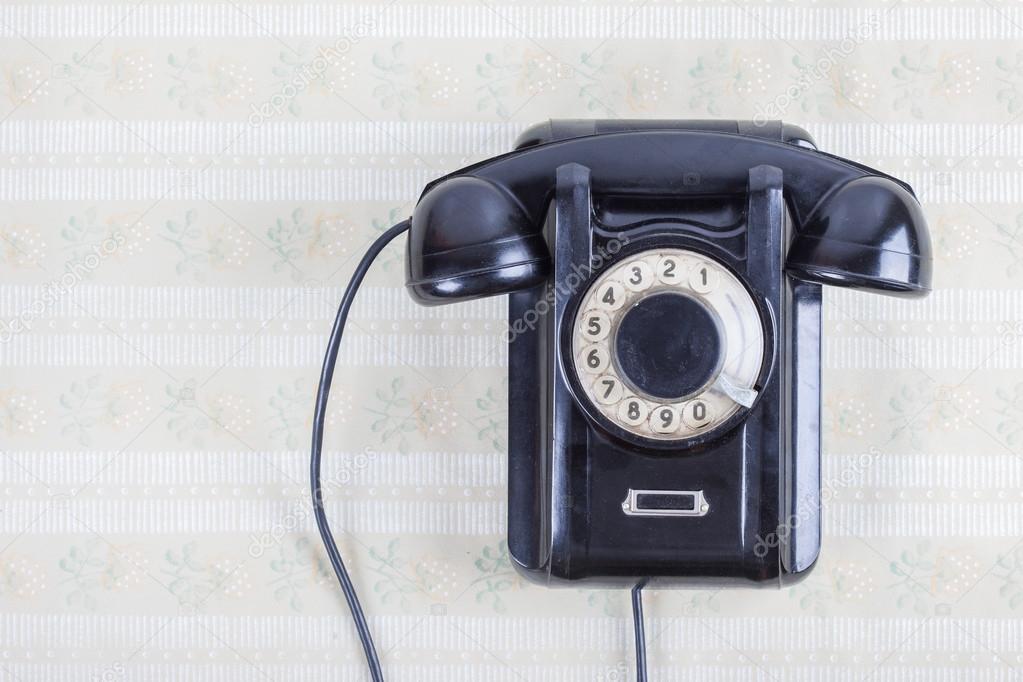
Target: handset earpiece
{"type": "Point", "coordinates": [471, 238]}
{"type": "Point", "coordinates": [869, 233]}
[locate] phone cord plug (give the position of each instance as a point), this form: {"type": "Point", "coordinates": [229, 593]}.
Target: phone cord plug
{"type": "Point", "coordinates": [322, 396]}
{"type": "Point", "coordinates": [637, 621]}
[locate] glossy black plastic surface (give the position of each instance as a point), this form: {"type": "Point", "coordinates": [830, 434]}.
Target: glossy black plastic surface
{"type": "Point", "coordinates": [568, 474]}
{"type": "Point", "coordinates": [870, 233]}
{"type": "Point", "coordinates": [470, 240]}
{"type": "Point", "coordinates": [661, 358]}
{"type": "Point", "coordinates": [501, 204]}
{"type": "Point", "coordinates": [761, 201]}
{"type": "Point", "coordinates": [563, 129]}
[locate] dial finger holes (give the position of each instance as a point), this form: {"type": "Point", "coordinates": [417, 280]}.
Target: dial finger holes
{"type": "Point", "coordinates": [611, 296]}
{"type": "Point", "coordinates": [696, 413]}
{"type": "Point", "coordinates": [637, 345]}
{"type": "Point", "coordinates": [664, 419]}
{"type": "Point", "coordinates": [703, 279]}
{"type": "Point", "coordinates": [638, 276]}
{"type": "Point", "coordinates": [596, 359]}
{"type": "Point", "coordinates": [596, 325]}
{"type": "Point", "coordinates": [608, 390]}
{"type": "Point", "coordinates": [669, 270]}
{"type": "Point", "coordinates": [633, 411]}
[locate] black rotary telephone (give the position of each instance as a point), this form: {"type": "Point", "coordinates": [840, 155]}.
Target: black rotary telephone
{"type": "Point", "coordinates": [664, 338]}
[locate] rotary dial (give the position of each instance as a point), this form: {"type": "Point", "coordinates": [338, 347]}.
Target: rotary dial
{"type": "Point", "coordinates": [668, 344]}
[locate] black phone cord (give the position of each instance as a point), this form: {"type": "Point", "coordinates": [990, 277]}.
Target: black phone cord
{"type": "Point", "coordinates": [319, 418]}
{"type": "Point", "coordinates": [637, 622]}
{"type": "Point", "coordinates": [322, 396]}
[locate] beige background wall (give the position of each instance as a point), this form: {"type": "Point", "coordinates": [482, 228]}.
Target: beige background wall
{"type": "Point", "coordinates": [184, 188]}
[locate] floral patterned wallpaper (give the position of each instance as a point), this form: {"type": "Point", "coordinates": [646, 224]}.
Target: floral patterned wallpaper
{"type": "Point", "coordinates": [184, 190]}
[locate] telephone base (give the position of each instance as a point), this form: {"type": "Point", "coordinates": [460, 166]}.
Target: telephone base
{"type": "Point", "coordinates": [599, 497]}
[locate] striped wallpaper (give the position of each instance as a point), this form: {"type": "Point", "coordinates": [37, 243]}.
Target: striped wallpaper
{"type": "Point", "coordinates": [185, 188]}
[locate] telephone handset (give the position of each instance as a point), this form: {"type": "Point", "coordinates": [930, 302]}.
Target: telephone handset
{"type": "Point", "coordinates": [664, 317]}
{"type": "Point", "coordinates": [664, 282]}
{"type": "Point", "coordinates": [479, 231]}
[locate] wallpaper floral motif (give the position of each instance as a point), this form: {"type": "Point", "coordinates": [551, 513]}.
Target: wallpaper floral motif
{"type": "Point", "coordinates": [185, 188]}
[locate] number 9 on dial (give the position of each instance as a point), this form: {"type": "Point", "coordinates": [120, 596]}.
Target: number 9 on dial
{"type": "Point", "coordinates": [664, 419]}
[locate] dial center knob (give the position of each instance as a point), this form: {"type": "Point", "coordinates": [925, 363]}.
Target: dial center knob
{"type": "Point", "coordinates": [668, 345]}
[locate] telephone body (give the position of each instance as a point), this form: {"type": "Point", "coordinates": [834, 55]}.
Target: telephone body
{"type": "Point", "coordinates": [664, 282]}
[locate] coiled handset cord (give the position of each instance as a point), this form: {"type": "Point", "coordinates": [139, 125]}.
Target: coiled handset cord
{"type": "Point", "coordinates": [322, 395]}
{"type": "Point", "coordinates": [319, 418]}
